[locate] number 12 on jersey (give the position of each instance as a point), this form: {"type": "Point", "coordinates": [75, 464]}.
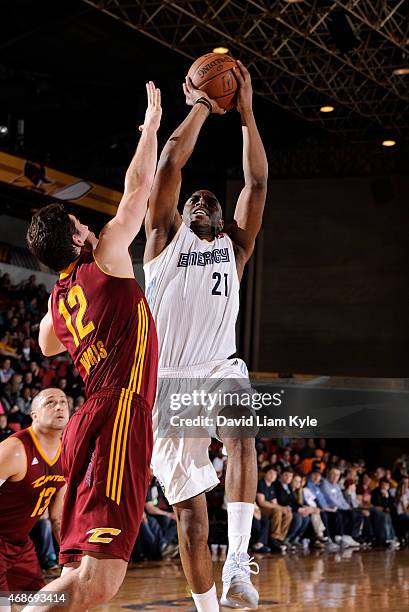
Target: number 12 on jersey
{"type": "Point", "coordinates": [76, 297]}
{"type": "Point", "coordinates": [218, 278]}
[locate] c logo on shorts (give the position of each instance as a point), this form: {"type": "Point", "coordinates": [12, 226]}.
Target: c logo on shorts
{"type": "Point", "coordinates": [98, 532]}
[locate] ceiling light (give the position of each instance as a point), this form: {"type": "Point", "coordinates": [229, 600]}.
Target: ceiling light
{"type": "Point", "coordinates": [220, 50]}
{"type": "Point", "coordinates": [402, 70]}
{"type": "Point", "coordinates": [293, 1]}
{"type": "Point", "coordinates": [327, 109]}
{"type": "Point", "coordinates": [388, 143]}
{"type": "Point", "coordinates": [3, 131]}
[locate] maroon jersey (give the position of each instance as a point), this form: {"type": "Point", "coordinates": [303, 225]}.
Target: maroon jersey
{"type": "Point", "coordinates": [23, 502]}
{"type": "Point", "coordinates": [106, 325]}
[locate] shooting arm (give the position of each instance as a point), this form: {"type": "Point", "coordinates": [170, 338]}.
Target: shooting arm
{"type": "Point", "coordinates": [161, 218]}
{"type": "Point", "coordinates": [250, 205]}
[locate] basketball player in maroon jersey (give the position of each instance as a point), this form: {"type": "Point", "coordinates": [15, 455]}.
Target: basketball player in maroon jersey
{"type": "Point", "coordinates": [99, 314]}
{"type": "Point", "coordinates": [31, 480]}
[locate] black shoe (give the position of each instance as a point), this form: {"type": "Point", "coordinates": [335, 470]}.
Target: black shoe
{"type": "Point", "coordinates": [277, 546]}
{"type": "Point", "coordinates": [263, 550]}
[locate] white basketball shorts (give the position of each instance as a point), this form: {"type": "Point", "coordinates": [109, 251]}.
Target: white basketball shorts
{"type": "Point", "coordinates": [182, 464]}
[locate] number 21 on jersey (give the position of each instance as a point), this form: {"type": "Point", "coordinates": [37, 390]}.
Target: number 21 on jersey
{"type": "Point", "coordinates": [220, 287]}
{"type": "Point", "coordinates": [78, 329]}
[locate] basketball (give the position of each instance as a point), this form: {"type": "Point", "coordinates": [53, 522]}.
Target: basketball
{"type": "Point", "coordinates": [213, 73]}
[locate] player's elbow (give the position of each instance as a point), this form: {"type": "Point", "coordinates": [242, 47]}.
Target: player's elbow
{"type": "Point", "coordinates": [43, 344]}
{"type": "Point", "coordinates": [257, 183]}
{"type": "Point", "coordinates": [170, 161]}
{"type": "Point", "coordinates": [137, 196]}
{"type": "Point", "coordinates": [46, 351]}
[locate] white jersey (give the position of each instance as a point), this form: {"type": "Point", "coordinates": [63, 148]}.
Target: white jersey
{"type": "Point", "coordinates": [192, 289]}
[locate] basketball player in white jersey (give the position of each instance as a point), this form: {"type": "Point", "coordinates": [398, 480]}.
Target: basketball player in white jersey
{"type": "Point", "coordinates": [193, 273]}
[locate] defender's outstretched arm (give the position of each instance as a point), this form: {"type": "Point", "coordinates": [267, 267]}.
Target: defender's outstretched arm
{"type": "Point", "coordinates": [123, 228]}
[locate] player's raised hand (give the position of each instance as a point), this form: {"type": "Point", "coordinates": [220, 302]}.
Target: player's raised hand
{"type": "Point", "coordinates": [153, 112]}
{"type": "Point", "coordinates": [245, 93]}
{"type": "Point", "coordinates": [192, 95]}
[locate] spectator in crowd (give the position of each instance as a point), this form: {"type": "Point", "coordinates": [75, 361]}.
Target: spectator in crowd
{"type": "Point", "coordinates": [79, 401]}
{"type": "Point", "coordinates": [24, 402]}
{"type": "Point", "coordinates": [158, 535]}
{"type": "Point", "coordinates": [5, 430]}
{"type": "Point", "coordinates": [393, 484]}
{"type": "Point", "coordinates": [26, 351]}
{"type": "Point", "coordinates": [74, 383]}
{"type": "Point", "coordinates": [156, 505]}
{"type": "Point", "coordinates": [400, 469]}
{"type": "Point", "coordinates": [346, 521]}
{"type": "Point", "coordinates": [6, 372]}
{"type": "Point", "coordinates": [42, 536]}
{"type": "Point", "coordinates": [279, 516]}
{"type": "Point", "coordinates": [285, 458]}
{"type": "Point", "coordinates": [377, 476]}
{"type": "Point", "coordinates": [5, 347]}
{"type": "Point", "coordinates": [309, 449]}
{"type": "Point", "coordinates": [314, 497]}
{"type": "Point", "coordinates": [402, 508]}
{"type": "Point", "coordinates": [260, 532]}
{"type": "Point", "coordinates": [316, 461]}
{"type": "Point", "coordinates": [385, 505]}
{"type": "Point", "coordinates": [300, 514]}
{"type": "Point", "coordinates": [364, 488]}
{"type": "Point", "coordinates": [219, 461]}
{"type": "Point", "coordinates": [355, 501]}
{"type": "Point", "coordinates": [152, 541]}
{"type": "Point", "coordinates": [28, 379]}
{"type": "Point", "coordinates": [311, 510]}
{"type": "Point", "coordinates": [36, 374]}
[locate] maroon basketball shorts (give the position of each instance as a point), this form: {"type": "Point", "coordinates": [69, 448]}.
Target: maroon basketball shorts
{"type": "Point", "coordinates": [19, 566]}
{"type": "Point", "coordinates": [106, 454]}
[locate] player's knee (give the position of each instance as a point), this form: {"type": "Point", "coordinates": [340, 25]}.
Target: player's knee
{"type": "Point", "coordinates": [239, 446]}
{"type": "Point", "coordinates": [98, 586]}
{"type": "Point", "coordinates": [193, 530]}
{"type": "Point", "coordinates": [237, 422]}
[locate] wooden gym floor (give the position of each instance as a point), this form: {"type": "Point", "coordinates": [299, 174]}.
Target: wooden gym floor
{"type": "Point", "coordinates": [368, 581]}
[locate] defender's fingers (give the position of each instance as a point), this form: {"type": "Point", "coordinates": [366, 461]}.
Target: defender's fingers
{"type": "Point", "coordinates": [158, 98]}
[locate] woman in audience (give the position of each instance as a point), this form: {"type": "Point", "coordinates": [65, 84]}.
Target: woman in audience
{"type": "Point", "coordinates": [402, 509]}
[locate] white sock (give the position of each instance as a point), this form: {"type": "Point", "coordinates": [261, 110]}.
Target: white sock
{"type": "Point", "coordinates": [206, 602]}
{"type": "Point", "coordinates": [240, 519]}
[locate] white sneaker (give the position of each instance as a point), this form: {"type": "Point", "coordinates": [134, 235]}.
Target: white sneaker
{"type": "Point", "coordinates": [238, 591]}
{"type": "Point", "coordinates": [331, 547]}
{"type": "Point", "coordinates": [349, 542]}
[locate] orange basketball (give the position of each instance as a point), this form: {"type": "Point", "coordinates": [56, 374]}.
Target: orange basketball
{"type": "Point", "coordinates": [213, 73]}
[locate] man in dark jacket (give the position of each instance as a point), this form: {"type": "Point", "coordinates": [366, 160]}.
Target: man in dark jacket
{"type": "Point", "coordinates": [286, 497]}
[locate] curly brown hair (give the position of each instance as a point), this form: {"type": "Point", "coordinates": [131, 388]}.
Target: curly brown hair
{"type": "Point", "coordinates": [49, 237]}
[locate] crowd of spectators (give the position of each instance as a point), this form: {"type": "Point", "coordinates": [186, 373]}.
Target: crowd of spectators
{"type": "Point", "coordinates": [23, 369]}
{"type": "Point", "coordinates": [306, 496]}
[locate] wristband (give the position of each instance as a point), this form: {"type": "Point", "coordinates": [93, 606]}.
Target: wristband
{"type": "Point", "coordinates": [205, 103]}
